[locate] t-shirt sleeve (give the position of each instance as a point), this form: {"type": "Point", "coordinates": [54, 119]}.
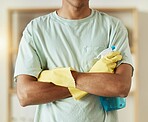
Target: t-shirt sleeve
{"type": "Point", "coordinates": [119, 38]}
{"type": "Point", "coordinates": [27, 61]}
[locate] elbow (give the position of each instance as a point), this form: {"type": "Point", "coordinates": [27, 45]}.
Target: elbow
{"type": "Point", "coordinates": [23, 97]}
{"type": "Point", "coordinates": [124, 90]}
{"type": "Point", "coordinates": [123, 94]}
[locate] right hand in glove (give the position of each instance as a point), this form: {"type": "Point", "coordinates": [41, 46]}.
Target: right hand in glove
{"type": "Point", "coordinates": [106, 64]}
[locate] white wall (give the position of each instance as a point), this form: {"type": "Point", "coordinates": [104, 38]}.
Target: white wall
{"type": "Point", "coordinates": [143, 66]}
{"type": "Point", "coordinates": [3, 66]}
{"type": "Point", "coordinates": [143, 37]}
{"type": "Point", "coordinates": [113, 3]}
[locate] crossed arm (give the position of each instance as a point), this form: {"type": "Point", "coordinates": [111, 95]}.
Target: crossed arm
{"type": "Point", "coordinates": [31, 92]}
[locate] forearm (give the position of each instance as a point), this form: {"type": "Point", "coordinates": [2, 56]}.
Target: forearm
{"type": "Point", "coordinates": [31, 92]}
{"type": "Point", "coordinates": [106, 84]}
{"type": "Point", "coordinates": [101, 84]}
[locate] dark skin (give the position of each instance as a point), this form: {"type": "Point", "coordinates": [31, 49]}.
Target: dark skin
{"type": "Point", "coordinates": [31, 92]}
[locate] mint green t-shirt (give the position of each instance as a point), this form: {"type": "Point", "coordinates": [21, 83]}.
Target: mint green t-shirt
{"type": "Point", "coordinates": [51, 41]}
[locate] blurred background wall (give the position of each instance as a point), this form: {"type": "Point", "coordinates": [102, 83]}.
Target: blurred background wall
{"type": "Point", "coordinates": [141, 5]}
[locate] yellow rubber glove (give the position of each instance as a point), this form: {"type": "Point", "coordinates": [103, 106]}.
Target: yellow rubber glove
{"type": "Point", "coordinates": [106, 64]}
{"type": "Point", "coordinates": [63, 77]}
{"type": "Point", "coordinates": [76, 93]}
{"type": "Point", "coordinates": [58, 76]}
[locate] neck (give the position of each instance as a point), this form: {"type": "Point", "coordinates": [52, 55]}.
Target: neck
{"type": "Point", "coordinates": [74, 12]}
